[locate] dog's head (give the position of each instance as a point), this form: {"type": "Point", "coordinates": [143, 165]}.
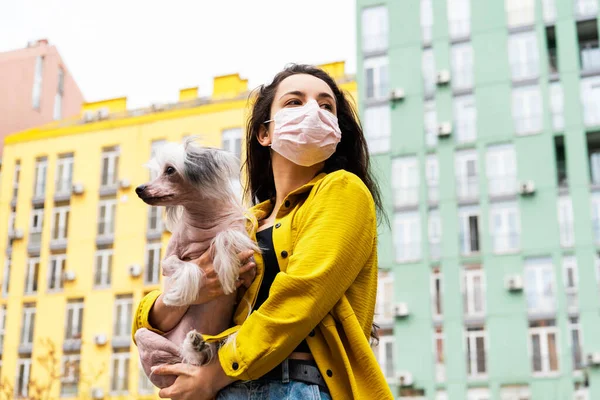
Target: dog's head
{"type": "Point", "coordinates": [186, 172]}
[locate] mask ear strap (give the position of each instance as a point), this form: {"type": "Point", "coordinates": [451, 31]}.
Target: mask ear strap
{"type": "Point", "coordinates": [266, 122]}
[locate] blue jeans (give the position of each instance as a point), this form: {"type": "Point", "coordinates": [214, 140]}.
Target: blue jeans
{"type": "Point", "coordinates": [272, 390]}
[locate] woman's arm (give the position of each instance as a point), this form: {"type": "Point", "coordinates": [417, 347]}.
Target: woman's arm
{"type": "Point", "coordinates": [336, 238]}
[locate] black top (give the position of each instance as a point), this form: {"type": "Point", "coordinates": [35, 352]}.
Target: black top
{"type": "Point", "coordinates": [265, 241]}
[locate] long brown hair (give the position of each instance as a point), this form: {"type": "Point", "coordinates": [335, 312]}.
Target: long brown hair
{"type": "Point", "coordinates": [351, 153]}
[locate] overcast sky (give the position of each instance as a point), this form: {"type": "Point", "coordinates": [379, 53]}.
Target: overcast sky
{"type": "Point", "coordinates": [148, 50]}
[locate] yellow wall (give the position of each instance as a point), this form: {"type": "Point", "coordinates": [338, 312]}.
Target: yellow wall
{"type": "Point", "coordinates": [134, 136]}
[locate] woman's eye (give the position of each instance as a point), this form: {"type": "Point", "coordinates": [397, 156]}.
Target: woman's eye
{"type": "Point", "coordinates": [170, 170]}
{"type": "Point", "coordinates": [328, 107]}
{"type": "Point", "coordinates": [294, 102]}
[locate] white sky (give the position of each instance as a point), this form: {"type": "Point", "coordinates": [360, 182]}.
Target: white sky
{"type": "Point", "coordinates": [148, 50]}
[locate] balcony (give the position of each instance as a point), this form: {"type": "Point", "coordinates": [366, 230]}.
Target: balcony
{"type": "Point", "coordinates": [62, 195]}
{"type": "Point", "coordinates": [121, 342]}
{"type": "Point", "coordinates": [406, 197]}
{"type": "Point", "coordinates": [467, 189]}
{"type": "Point", "coordinates": [506, 243]}
{"type": "Point", "coordinates": [72, 345]}
{"type": "Point", "coordinates": [35, 243]}
{"type": "Point", "coordinates": [26, 348]}
{"type": "Point", "coordinates": [433, 194]}
{"type": "Point", "coordinates": [502, 186]}
{"type": "Point", "coordinates": [58, 244]}
{"type": "Point", "coordinates": [375, 43]}
{"type": "Point", "coordinates": [435, 250]}
{"type": "Point", "coordinates": [590, 57]}
{"type": "Point", "coordinates": [586, 8]}
{"type": "Point", "coordinates": [105, 240]}
{"type": "Point", "coordinates": [408, 252]}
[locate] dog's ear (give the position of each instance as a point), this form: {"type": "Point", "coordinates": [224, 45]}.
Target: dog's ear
{"type": "Point", "coordinates": [263, 136]}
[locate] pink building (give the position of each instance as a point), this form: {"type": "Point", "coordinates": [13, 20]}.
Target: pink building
{"type": "Point", "coordinates": [35, 88]}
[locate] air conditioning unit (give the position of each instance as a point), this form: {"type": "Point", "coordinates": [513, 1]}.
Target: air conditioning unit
{"type": "Point", "coordinates": [16, 234]}
{"type": "Point", "coordinates": [513, 283]}
{"type": "Point", "coordinates": [78, 188]}
{"type": "Point", "coordinates": [404, 378]}
{"type": "Point", "coordinates": [69, 276]}
{"type": "Point", "coordinates": [443, 77]}
{"type": "Point", "coordinates": [100, 339]}
{"type": "Point", "coordinates": [125, 183]}
{"type": "Point", "coordinates": [527, 188]}
{"type": "Point", "coordinates": [580, 395]}
{"type": "Point", "coordinates": [89, 116]}
{"type": "Point", "coordinates": [401, 310]}
{"type": "Point", "coordinates": [97, 393]}
{"type": "Point", "coordinates": [444, 129]}
{"type": "Point", "coordinates": [593, 359]}
{"type": "Point", "coordinates": [397, 94]}
{"type": "Point", "coordinates": [103, 113]}
{"type": "Point", "coordinates": [135, 270]}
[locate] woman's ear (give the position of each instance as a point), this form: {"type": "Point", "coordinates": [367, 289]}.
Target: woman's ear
{"type": "Point", "coordinates": [263, 136]}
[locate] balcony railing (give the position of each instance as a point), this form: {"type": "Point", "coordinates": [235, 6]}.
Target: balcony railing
{"type": "Point", "coordinates": [590, 56]}
{"type": "Point", "coordinates": [467, 188]}
{"type": "Point", "coordinates": [406, 252]}
{"type": "Point", "coordinates": [586, 8]}
{"type": "Point", "coordinates": [506, 243]}
{"type": "Point", "coordinates": [406, 196]}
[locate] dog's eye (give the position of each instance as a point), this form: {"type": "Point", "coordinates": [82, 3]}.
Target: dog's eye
{"type": "Point", "coordinates": [170, 171]}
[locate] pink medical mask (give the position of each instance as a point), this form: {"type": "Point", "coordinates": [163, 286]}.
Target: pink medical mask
{"type": "Point", "coordinates": [305, 135]}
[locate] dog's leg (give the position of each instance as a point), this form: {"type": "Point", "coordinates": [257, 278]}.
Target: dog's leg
{"type": "Point", "coordinates": [226, 246]}
{"type": "Point", "coordinates": [184, 279]}
{"type": "Point", "coordinates": [195, 350]}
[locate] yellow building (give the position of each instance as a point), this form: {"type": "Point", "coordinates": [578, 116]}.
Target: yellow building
{"type": "Point", "coordinates": [82, 249]}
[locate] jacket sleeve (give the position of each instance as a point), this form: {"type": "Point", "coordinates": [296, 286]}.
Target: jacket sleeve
{"type": "Point", "coordinates": [140, 319]}
{"type": "Point", "coordinates": [335, 239]}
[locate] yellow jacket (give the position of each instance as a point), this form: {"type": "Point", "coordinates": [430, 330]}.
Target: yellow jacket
{"type": "Point", "coordinates": [325, 238]}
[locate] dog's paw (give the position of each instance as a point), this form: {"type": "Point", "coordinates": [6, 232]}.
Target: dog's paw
{"type": "Point", "coordinates": [195, 350]}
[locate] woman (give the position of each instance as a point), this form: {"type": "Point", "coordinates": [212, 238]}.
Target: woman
{"type": "Point", "coordinates": [313, 298]}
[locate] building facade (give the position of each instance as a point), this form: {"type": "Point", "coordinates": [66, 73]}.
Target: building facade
{"type": "Point", "coordinates": [35, 88]}
{"type": "Point", "coordinates": [483, 119]}
{"type": "Point", "coordinates": [81, 249]}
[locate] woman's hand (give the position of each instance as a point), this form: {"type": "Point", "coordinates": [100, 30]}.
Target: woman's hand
{"type": "Point", "coordinates": [211, 287]}
{"type": "Point", "coordinates": [193, 383]}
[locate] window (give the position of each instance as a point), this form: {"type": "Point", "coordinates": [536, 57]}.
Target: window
{"type": "Point", "coordinates": [549, 11]}
{"type": "Point", "coordinates": [376, 78]}
{"type": "Point", "coordinates": [426, 20]}
{"type": "Point", "coordinates": [431, 135]}
{"type": "Point", "coordinates": [459, 18]}
{"type": "Point", "coordinates": [520, 12]}
{"type": "Point", "coordinates": [539, 285]}
{"type": "Point", "coordinates": [593, 147]}
{"type": "Point", "coordinates": [478, 394]}
{"type": "Point", "coordinates": [527, 109]}
{"type": "Point", "coordinates": [473, 292]}
{"type": "Point", "coordinates": [16, 176]}
{"type": "Point", "coordinates": [436, 293]}
{"type": "Point", "coordinates": [557, 102]}
{"type": "Point", "coordinates": [462, 66]}
{"type": "Point", "coordinates": [585, 8]}
{"type": "Point", "coordinates": [2, 325]}
{"type": "Point", "coordinates": [102, 275]}
{"type": "Point", "coordinates": [575, 343]}
{"type": "Point", "coordinates": [28, 326]}
{"type": "Point", "coordinates": [37, 82]}
{"type": "Point", "coordinates": [590, 98]}
{"type": "Point", "coordinates": [60, 92]}
{"type": "Point", "coordinates": [35, 231]}
{"type": "Point", "coordinates": [145, 386]}
{"type": "Point", "coordinates": [476, 352]}
{"type": "Point", "coordinates": [561, 161]}
{"type": "Point", "coordinates": [435, 235]}
{"type": "Point", "coordinates": [429, 73]}
{"type": "Point", "coordinates": [438, 351]}
{"type": "Point", "coordinates": [432, 172]}
{"type": "Point", "coordinates": [23, 374]}
{"type": "Point", "coordinates": [571, 278]}
{"type": "Point", "coordinates": [232, 141]}
{"type": "Point", "coordinates": [552, 50]}
{"type": "Point", "coordinates": [39, 188]}
{"type": "Point", "coordinates": [6, 277]}
{"type": "Point", "coordinates": [405, 181]}
{"type": "Point", "coordinates": [55, 271]}
{"type": "Point", "coordinates": [70, 374]}
{"type": "Point", "coordinates": [123, 309]}
{"type": "Point", "coordinates": [385, 297]}
{"type": "Point", "coordinates": [501, 170]}
{"type": "Point", "coordinates": [31, 276]}
{"type": "Point", "coordinates": [119, 373]}
{"type": "Point", "coordinates": [110, 166]}
{"type": "Point", "coordinates": [74, 320]}
{"type": "Point", "coordinates": [469, 230]}
{"type": "Point", "coordinates": [596, 215]}
{"type": "Point", "coordinates": [106, 221]}
{"type": "Point", "coordinates": [589, 52]}
{"type": "Point", "coordinates": [155, 222]}
{"type": "Point", "coordinates": [544, 350]}
{"type": "Point", "coordinates": [407, 236]}
{"type": "Point", "coordinates": [60, 223]}
{"type": "Point", "coordinates": [385, 356]}
{"type": "Point", "coordinates": [467, 181]}
{"type": "Point", "coordinates": [374, 25]}
{"type": "Point", "coordinates": [152, 263]}
{"type": "Point", "coordinates": [505, 227]}
{"type": "Point", "coordinates": [524, 56]}
{"type": "Point", "coordinates": [565, 221]}
{"type": "Point", "coordinates": [465, 119]}
{"type": "Point", "coordinates": [378, 128]}
{"type": "Point", "coordinates": [64, 174]}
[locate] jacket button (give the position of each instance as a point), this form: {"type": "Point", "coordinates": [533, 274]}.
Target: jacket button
{"type": "Point", "coordinates": [284, 254]}
{"type": "Point", "coordinates": [329, 373]}
{"type": "Point", "coordinates": [286, 204]}
{"type": "Point", "coordinates": [312, 333]}
{"type": "Point", "coordinates": [277, 225]}
{"type": "Point", "coordinates": [235, 366]}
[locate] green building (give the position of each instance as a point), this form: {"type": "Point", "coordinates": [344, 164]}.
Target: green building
{"type": "Point", "coordinates": [483, 119]}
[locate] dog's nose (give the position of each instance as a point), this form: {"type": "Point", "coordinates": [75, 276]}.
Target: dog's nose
{"type": "Point", "coordinates": [140, 189]}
